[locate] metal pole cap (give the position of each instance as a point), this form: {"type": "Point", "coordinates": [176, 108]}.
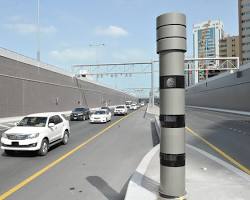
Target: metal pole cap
{"type": "Point", "coordinates": [171, 19]}
{"type": "Point", "coordinates": [171, 32]}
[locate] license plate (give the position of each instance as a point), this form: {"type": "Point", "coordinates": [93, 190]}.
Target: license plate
{"type": "Point", "coordinates": [15, 144]}
{"type": "Point", "coordinates": [75, 117]}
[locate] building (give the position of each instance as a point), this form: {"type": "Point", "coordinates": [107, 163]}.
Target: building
{"type": "Point", "coordinates": [244, 30]}
{"type": "Point", "coordinates": [229, 47]}
{"type": "Point", "coordinates": [206, 37]}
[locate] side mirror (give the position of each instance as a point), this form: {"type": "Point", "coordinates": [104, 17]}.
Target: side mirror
{"type": "Point", "coordinates": [51, 125]}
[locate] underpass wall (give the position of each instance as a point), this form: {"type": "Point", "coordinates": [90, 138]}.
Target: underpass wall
{"type": "Point", "coordinates": [225, 91]}
{"type": "Point", "coordinates": [27, 86]}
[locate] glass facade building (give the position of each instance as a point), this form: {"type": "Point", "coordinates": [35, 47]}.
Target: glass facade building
{"type": "Point", "coordinates": [206, 37]}
{"type": "Point", "coordinates": [244, 30]}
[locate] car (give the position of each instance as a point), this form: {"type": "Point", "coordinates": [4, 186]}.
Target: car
{"type": "Point", "coordinates": [121, 110]}
{"type": "Point", "coordinates": [142, 104]}
{"type": "Point", "coordinates": [133, 106]}
{"type": "Point", "coordinates": [80, 114]}
{"type": "Point", "coordinates": [100, 116]}
{"type": "Point", "coordinates": [36, 132]}
{"type": "Point", "coordinates": [128, 104]}
{"type": "Point", "coordinates": [106, 108]}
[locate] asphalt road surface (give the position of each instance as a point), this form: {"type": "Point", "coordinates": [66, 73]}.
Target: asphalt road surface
{"type": "Point", "coordinates": [100, 169]}
{"type": "Point", "coordinates": [228, 132]}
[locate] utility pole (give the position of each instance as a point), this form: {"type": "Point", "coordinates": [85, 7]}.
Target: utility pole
{"type": "Point", "coordinates": [171, 46]}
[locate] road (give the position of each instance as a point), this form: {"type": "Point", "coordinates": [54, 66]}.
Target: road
{"type": "Point", "coordinates": [228, 132]}
{"type": "Point", "coordinates": [102, 166]}
{"type": "Point", "coordinates": [100, 169]}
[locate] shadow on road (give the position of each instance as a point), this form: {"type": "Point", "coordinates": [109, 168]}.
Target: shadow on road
{"type": "Point", "coordinates": [155, 137]}
{"type": "Point", "coordinates": [106, 189]}
{"type": "Point", "coordinates": [20, 154]}
{"type": "Point", "coordinates": [28, 153]}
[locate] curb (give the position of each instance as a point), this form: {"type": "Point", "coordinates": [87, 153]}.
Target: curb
{"type": "Point", "coordinates": [139, 175]}
{"type": "Point", "coordinates": [222, 110]}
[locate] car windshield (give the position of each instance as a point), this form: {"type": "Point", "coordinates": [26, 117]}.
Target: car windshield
{"type": "Point", "coordinates": [106, 108]}
{"type": "Point", "coordinates": [78, 109]}
{"type": "Point", "coordinates": [33, 121]}
{"type": "Point", "coordinates": [120, 107]}
{"type": "Point", "coordinates": [100, 112]}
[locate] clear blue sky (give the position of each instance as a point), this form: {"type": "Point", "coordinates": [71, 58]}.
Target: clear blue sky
{"type": "Point", "coordinates": [126, 27]}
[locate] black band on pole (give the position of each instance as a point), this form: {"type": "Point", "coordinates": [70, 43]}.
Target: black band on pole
{"type": "Point", "coordinates": [172, 160]}
{"type": "Point", "coordinates": [175, 81]}
{"type": "Point", "coordinates": [170, 197]}
{"type": "Point", "coordinates": [172, 121]}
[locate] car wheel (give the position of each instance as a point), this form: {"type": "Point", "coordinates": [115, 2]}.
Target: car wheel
{"type": "Point", "coordinates": [65, 138]}
{"type": "Point", "coordinates": [44, 148]}
{"type": "Point", "coordinates": [9, 152]}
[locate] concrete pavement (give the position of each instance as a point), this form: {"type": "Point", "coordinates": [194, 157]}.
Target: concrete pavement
{"type": "Point", "coordinates": [207, 176]}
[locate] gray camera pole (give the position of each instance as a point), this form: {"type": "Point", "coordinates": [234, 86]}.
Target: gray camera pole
{"type": "Point", "coordinates": [171, 46]}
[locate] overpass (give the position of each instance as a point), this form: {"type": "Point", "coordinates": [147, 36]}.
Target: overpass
{"type": "Point", "coordinates": [100, 159]}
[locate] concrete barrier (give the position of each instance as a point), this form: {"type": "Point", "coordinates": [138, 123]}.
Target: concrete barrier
{"type": "Point", "coordinates": [27, 86]}
{"type": "Point", "coordinates": [229, 91]}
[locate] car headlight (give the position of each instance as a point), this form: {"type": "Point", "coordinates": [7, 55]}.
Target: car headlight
{"type": "Point", "coordinates": [80, 114]}
{"type": "Point", "coordinates": [33, 135]}
{"type": "Point", "coordinates": [4, 135]}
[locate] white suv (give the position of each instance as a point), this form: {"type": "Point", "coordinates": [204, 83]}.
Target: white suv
{"type": "Point", "coordinates": [36, 132]}
{"type": "Point", "coordinates": [121, 110]}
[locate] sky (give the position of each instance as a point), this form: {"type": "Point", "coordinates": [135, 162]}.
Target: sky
{"type": "Point", "coordinates": [72, 31]}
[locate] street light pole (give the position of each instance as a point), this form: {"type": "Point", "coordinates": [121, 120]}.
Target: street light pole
{"type": "Point", "coordinates": [95, 47]}
{"type": "Point", "coordinates": [38, 31]}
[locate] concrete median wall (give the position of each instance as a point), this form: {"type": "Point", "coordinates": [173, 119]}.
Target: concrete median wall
{"type": "Point", "coordinates": [225, 91]}
{"type": "Point", "coordinates": [27, 86]}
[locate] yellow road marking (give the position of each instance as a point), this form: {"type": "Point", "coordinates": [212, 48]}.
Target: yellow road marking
{"type": "Point", "coordinates": [43, 170]}
{"type": "Point", "coordinates": [222, 153]}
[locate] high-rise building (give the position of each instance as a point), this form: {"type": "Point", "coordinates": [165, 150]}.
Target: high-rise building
{"type": "Point", "coordinates": [229, 47]}
{"type": "Point", "coordinates": [244, 30]}
{"type": "Point", "coordinates": [206, 37]}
